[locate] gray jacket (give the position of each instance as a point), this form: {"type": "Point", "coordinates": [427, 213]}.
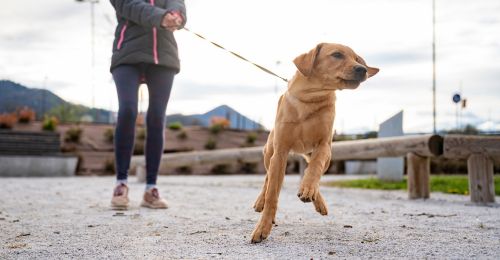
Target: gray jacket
{"type": "Point", "coordinates": [139, 36]}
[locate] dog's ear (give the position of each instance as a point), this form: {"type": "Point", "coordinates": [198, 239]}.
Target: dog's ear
{"type": "Point", "coordinates": [305, 62]}
{"type": "Point", "coordinates": [371, 71]}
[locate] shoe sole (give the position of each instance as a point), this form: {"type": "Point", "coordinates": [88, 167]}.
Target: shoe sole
{"type": "Point", "coordinates": [119, 207]}
{"type": "Point", "coordinates": [147, 205]}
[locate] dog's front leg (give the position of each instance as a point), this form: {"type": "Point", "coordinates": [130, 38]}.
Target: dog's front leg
{"type": "Point", "coordinates": [275, 176]}
{"type": "Point", "coordinates": [309, 187]}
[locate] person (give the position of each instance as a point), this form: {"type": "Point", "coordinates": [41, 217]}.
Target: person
{"type": "Point", "coordinates": [144, 51]}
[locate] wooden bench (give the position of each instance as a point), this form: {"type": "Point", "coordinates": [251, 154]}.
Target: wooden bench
{"type": "Point", "coordinates": [480, 153]}
{"type": "Point", "coordinates": [29, 143]}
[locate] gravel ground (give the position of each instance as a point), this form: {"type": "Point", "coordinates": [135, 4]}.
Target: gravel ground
{"type": "Point", "coordinates": [211, 217]}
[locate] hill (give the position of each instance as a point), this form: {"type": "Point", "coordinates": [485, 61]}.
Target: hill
{"type": "Point", "coordinates": [42, 101]}
{"type": "Point", "coordinates": [238, 121]}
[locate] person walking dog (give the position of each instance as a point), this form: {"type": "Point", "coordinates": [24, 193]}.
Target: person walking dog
{"type": "Point", "coordinates": [144, 51]}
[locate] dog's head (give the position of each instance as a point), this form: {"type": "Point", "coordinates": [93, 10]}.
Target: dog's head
{"type": "Point", "coordinates": [335, 66]}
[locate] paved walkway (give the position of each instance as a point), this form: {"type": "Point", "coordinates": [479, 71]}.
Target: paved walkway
{"type": "Point", "coordinates": [211, 217]}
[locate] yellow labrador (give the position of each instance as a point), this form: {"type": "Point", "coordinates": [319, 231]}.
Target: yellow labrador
{"type": "Point", "coordinates": [304, 123]}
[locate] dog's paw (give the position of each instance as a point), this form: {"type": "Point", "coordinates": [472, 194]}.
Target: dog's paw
{"type": "Point", "coordinates": [320, 205]}
{"type": "Point", "coordinates": [308, 193]}
{"type": "Point", "coordinates": [261, 231]}
{"type": "Point", "coordinates": [258, 206]}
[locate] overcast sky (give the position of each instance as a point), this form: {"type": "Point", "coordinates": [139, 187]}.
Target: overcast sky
{"type": "Point", "coordinates": [47, 43]}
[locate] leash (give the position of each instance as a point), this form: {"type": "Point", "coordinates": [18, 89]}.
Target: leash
{"type": "Point", "coordinates": [237, 55]}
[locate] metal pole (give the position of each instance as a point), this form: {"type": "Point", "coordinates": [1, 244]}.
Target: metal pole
{"type": "Point", "coordinates": [434, 66]}
{"type": "Point", "coordinates": [92, 32]}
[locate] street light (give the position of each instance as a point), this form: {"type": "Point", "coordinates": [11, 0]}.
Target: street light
{"type": "Point", "coordinates": [434, 66]}
{"type": "Point", "coordinates": [92, 48]}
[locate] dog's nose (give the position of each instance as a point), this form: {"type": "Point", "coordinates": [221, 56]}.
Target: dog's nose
{"type": "Point", "coordinates": [359, 71]}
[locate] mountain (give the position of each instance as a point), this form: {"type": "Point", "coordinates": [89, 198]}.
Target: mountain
{"type": "Point", "coordinates": [238, 121]}
{"type": "Point", "coordinates": [15, 96]}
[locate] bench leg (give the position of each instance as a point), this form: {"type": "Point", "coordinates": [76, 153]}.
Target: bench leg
{"type": "Point", "coordinates": [418, 169]}
{"type": "Point", "coordinates": [481, 184]}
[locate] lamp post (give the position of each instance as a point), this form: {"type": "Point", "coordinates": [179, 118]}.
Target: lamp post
{"type": "Point", "coordinates": [434, 66]}
{"type": "Point", "coordinates": [92, 49]}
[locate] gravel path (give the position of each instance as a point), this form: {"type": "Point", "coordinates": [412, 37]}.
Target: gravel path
{"type": "Point", "coordinates": [211, 217]}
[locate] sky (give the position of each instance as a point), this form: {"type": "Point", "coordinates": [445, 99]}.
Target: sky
{"type": "Point", "coordinates": [48, 45]}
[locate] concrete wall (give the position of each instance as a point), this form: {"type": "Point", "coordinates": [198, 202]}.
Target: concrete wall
{"type": "Point", "coordinates": [37, 166]}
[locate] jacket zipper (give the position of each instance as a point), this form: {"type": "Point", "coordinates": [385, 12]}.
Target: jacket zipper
{"type": "Point", "coordinates": [122, 36]}
{"type": "Point", "coordinates": [155, 44]}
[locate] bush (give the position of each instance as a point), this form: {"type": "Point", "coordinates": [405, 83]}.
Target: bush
{"type": "Point", "coordinates": [109, 135]}
{"type": "Point", "coordinates": [109, 165]}
{"type": "Point", "coordinates": [7, 121]}
{"type": "Point", "coordinates": [141, 134]}
{"type": "Point", "coordinates": [251, 137]}
{"type": "Point", "coordinates": [248, 167]}
{"type": "Point", "coordinates": [211, 144]}
{"type": "Point", "coordinates": [139, 148]}
{"type": "Point", "coordinates": [175, 126]}
{"type": "Point", "coordinates": [184, 170]}
{"type": "Point", "coordinates": [73, 135]}
{"type": "Point", "coordinates": [217, 124]}
{"type": "Point", "coordinates": [220, 169]}
{"type": "Point", "coordinates": [50, 123]}
{"type": "Point", "coordinates": [215, 129]}
{"type": "Point", "coordinates": [26, 115]}
{"type": "Point", "coordinates": [182, 135]}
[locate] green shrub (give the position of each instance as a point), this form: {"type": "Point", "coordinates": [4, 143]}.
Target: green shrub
{"type": "Point", "coordinates": [50, 123]}
{"type": "Point", "coordinates": [251, 138]}
{"type": "Point", "coordinates": [215, 129]}
{"type": "Point", "coordinates": [139, 147]}
{"type": "Point", "coordinates": [141, 134]}
{"type": "Point", "coordinates": [184, 170]}
{"type": "Point", "coordinates": [220, 169]}
{"type": "Point", "coordinates": [182, 135]}
{"type": "Point", "coordinates": [109, 135]}
{"type": "Point", "coordinates": [73, 135]}
{"type": "Point", "coordinates": [175, 126]}
{"type": "Point", "coordinates": [248, 167]}
{"type": "Point", "coordinates": [211, 144]}
{"type": "Point", "coordinates": [109, 165]}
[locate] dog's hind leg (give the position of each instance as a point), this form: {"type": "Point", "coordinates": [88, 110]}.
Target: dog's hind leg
{"type": "Point", "coordinates": [275, 176]}
{"type": "Point", "coordinates": [268, 153]}
{"type": "Point", "coordinates": [309, 187]}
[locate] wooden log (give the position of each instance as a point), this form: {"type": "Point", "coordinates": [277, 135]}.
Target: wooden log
{"type": "Point", "coordinates": [418, 169]}
{"type": "Point", "coordinates": [462, 146]}
{"type": "Point", "coordinates": [221, 156]}
{"type": "Point", "coordinates": [423, 145]}
{"type": "Point", "coordinates": [481, 184]}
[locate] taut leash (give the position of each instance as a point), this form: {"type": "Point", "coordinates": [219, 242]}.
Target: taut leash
{"type": "Point", "coordinates": [237, 55]}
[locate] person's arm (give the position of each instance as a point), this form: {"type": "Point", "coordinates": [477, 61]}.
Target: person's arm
{"type": "Point", "coordinates": [140, 12]}
{"type": "Point", "coordinates": [177, 7]}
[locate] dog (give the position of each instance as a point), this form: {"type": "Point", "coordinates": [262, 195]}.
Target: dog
{"type": "Point", "coordinates": [304, 125]}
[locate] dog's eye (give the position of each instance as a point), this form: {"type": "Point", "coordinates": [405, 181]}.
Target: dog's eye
{"type": "Point", "coordinates": [338, 55]}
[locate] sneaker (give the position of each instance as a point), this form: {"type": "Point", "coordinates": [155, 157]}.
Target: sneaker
{"type": "Point", "coordinates": [120, 197]}
{"type": "Point", "coordinates": [151, 199]}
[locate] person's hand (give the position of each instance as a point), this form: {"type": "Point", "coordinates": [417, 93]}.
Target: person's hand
{"type": "Point", "coordinates": [172, 21]}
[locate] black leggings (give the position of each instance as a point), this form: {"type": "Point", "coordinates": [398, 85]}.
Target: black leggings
{"type": "Point", "coordinates": [159, 80]}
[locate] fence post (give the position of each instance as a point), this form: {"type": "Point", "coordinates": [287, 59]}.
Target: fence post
{"type": "Point", "coordinates": [418, 169]}
{"type": "Point", "coordinates": [481, 184]}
